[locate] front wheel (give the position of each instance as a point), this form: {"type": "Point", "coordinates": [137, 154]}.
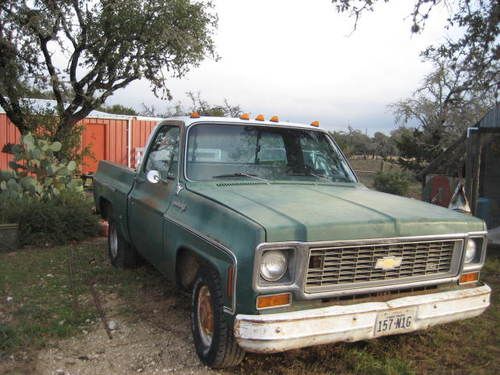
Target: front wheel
{"type": "Point", "coordinates": [213, 336]}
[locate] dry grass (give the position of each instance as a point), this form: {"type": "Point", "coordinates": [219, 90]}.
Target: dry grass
{"type": "Point", "coordinates": [367, 168]}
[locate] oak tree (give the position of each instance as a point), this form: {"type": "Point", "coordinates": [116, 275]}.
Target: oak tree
{"type": "Point", "coordinates": [83, 51]}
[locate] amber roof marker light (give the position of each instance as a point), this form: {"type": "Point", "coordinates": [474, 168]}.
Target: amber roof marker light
{"type": "Point", "coordinates": [245, 116]}
{"type": "Point", "coordinates": [275, 119]}
{"type": "Point", "coordinates": [195, 115]}
{"type": "Point", "coordinates": [315, 124]}
{"type": "Point", "coordinates": [259, 118]}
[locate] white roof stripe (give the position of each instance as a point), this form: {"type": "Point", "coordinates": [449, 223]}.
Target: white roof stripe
{"type": "Point", "coordinates": [209, 119]}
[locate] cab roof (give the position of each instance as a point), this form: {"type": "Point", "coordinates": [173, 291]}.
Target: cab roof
{"type": "Point", "coordinates": [189, 121]}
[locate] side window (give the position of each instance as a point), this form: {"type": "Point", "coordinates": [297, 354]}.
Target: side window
{"type": "Point", "coordinates": [164, 153]}
{"type": "Point", "coordinates": [318, 158]}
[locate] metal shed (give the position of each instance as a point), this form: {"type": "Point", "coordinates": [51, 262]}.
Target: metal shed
{"type": "Point", "coordinates": [110, 137]}
{"type": "Point", "coordinates": [482, 167]}
{"type": "Point", "coordinates": [476, 156]}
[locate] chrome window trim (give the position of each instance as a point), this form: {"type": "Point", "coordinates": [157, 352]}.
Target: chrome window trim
{"type": "Point", "coordinates": [266, 125]}
{"type": "Point", "coordinates": [154, 132]}
{"type": "Point", "coordinates": [302, 250]}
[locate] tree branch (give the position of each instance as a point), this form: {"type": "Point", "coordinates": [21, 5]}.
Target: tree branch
{"type": "Point", "coordinates": [15, 114]}
{"type": "Point", "coordinates": [53, 74]}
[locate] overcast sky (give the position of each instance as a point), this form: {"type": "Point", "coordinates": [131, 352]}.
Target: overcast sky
{"type": "Point", "coordinates": [296, 59]}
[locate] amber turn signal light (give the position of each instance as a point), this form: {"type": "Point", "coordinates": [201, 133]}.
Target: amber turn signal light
{"type": "Point", "coordinates": [195, 115]}
{"type": "Point", "coordinates": [315, 124]}
{"type": "Point", "coordinates": [274, 300]}
{"type": "Point", "coordinates": [469, 278]}
{"type": "Point", "coordinates": [245, 116]}
{"type": "Point", "coordinates": [260, 118]}
{"type": "Point", "coordinates": [275, 119]}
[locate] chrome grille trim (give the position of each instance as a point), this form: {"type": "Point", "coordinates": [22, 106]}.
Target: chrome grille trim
{"type": "Point", "coordinates": [352, 265]}
{"type": "Point", "coordinates": [301, 260]}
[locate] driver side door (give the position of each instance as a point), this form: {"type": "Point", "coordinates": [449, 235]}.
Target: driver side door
{"type": "Point", "coordinates": [149, 201]}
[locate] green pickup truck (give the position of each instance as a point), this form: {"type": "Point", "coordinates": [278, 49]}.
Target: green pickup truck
{"type": "Point", "coordinates": [281, 247]}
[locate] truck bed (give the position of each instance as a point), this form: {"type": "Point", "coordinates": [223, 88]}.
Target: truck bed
{"type": "Point", "coordinates": [112, 185]}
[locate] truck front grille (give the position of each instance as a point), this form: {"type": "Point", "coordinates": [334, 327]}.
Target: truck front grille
{"type": "Point", "coordinates": [354, 265]}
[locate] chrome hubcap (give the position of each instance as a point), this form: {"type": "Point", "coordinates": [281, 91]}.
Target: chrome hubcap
{"type": "Point", "coordinates": [113, 241]}
{"type": "Point", "coordinates": [205, 315]}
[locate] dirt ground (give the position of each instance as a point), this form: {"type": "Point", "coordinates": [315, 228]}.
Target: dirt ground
{"type": "Point", "coordinates": [161, 344]}
{"type": "Point", "coordinates": [156, 346]}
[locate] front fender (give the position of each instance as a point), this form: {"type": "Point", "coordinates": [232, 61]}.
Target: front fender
{"type": "Point", "coordinates": [218, 235]}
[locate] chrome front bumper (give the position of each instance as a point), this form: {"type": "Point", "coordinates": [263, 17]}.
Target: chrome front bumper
{"type": "Point", "coordinates": [278, 332]}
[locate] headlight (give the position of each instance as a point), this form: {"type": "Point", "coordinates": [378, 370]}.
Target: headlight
{"type": "Point", "coordinates": [273, 265]}
{"type": "Point", "coordinates": [470, 251]}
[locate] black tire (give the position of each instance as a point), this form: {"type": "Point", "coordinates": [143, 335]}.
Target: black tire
{"type": "Point", "coordinates": [121, 253]}
{"type": "Point", "coordinates": [222, 351]}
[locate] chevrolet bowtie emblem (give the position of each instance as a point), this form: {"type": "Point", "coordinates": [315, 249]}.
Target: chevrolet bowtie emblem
{"type": "Point", "coordinates": [388, 263]}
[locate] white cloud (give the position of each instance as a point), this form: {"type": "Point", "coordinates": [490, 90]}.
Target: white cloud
{"type": "Point", "coordinates": [295, 58]}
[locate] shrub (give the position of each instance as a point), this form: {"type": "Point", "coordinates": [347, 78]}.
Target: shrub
{"type": "Point", "coordinates": [36, 171]}
{"type": "Point", "coordinates": [8, 210]}
{"type": "Point", "coordinates": [393, 182]}
{"type": "Point", "coordinates": [57, 220]}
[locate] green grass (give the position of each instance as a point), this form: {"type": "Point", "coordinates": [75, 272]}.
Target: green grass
{"type": "Point", "coordinates": [49, 301]}
{"type": "Point", "coordinates": [41, 306]}
{"type": "Point", "coordinates": [47, 307]}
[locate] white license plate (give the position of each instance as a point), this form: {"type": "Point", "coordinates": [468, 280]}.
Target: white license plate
{"type": "Point", "coordinates": [395, 321]}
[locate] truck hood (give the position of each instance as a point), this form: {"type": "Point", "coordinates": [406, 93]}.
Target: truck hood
{"type": "Point", "coordinates": [307, 212]}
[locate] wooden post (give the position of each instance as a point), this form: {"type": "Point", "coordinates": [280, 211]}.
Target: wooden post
{"type": "Point", "coordinates": [478, 145]}
{"type": "Point", "coordinates": [469, 157]}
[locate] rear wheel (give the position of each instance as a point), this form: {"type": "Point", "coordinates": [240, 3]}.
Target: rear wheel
{"type": "Point", "coordinates": [213, 336]}
{"type": "Point", "coordinates": [121, 253]}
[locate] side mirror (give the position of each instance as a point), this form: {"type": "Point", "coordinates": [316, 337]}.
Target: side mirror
{"type": "Point", "coordinates": [153, 176]}
{"type": "Point", "coordinates": [459, 200]}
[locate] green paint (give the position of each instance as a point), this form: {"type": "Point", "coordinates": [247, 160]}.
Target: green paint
{"type": "Point", "coordinates": [224, 220]}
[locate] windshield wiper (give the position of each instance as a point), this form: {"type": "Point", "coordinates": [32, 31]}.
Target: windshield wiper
{"type": "Point", "coordinates": [241, 174]}
{"type": "Point", "coordinates": [312, 174]}
{"type": "Point", "coordinates": [309, 173]}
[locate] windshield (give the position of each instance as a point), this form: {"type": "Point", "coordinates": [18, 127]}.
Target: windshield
{"type": "Point", "coordinates": [264, 153]}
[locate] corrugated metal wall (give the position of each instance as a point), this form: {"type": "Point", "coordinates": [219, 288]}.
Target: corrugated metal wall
{"type": "Point", "coordinates": [8, 134]}
{"type": "Point", "coordinates": [140, 133]}
{"type": "Point", "coordinates": [113, 145]}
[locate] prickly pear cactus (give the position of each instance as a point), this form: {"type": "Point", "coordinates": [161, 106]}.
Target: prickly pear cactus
{"type": "Point", "coordinates": [35, 171]}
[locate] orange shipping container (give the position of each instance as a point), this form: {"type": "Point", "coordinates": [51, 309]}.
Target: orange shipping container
{"type": "Point", "coordinates": [111, 137]}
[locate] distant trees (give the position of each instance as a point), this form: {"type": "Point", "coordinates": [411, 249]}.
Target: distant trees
{"type": "Point", "coordinates": [198, 104]}
{"type": "Point", "coordinates": [437, 114]}
{"type": "Point", "coordinates": [355, 142]}
{"type": "Point", "coordinates": [206, 109]}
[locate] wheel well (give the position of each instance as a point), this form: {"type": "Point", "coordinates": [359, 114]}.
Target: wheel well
{"type": "Point", "coordinates": [186, 268]}
{"type": "Point", "coordinates": [104, 208]}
